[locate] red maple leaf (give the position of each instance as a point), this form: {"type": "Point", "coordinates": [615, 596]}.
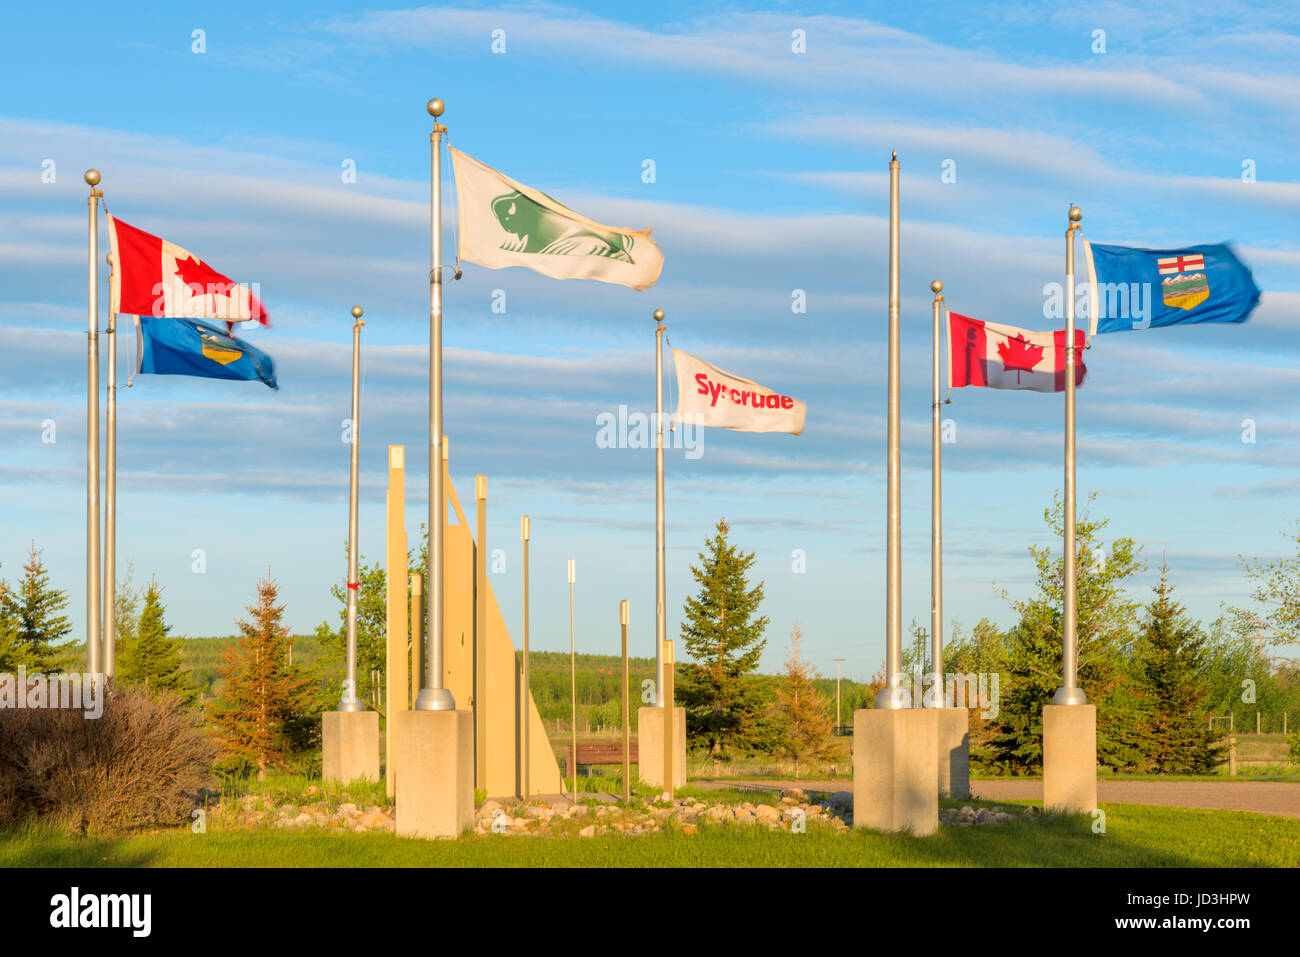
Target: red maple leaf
{"type": "Point", "coordinates": [193, 271]}
{"type": "Point", "coordinates": [196, 273]}
{"type": "Point", "coordinates": [1019, 356]}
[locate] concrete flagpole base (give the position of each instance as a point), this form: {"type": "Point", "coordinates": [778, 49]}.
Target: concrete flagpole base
{"type": "Point", "coordinates": [896, 769]}
{"type": "Point", "coordinates": [954, 751]}
{"type": "Point", "coordinates": [1070, 758]}
{"type": "Point", "coordinates": [650, 746]}
{"type": "Point", "coordinates": [350, 745]}
{"type": "Point", "coordinates": [435, 789]}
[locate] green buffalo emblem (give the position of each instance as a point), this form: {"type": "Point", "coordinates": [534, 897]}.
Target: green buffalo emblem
{"type": "Point", "coordinates": [537, 229]}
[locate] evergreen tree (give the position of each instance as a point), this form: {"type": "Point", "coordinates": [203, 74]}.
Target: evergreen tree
{"type": "Point", "coordinates": [725, 706]}
{"type": "Point", "coordinates": [264, 698]}
{"type": "Point", "coordinates": [35, 607]}
{"type": "Point", "coordinates": [126, 612]}
{"type": "Point", "coordinates": [1105, 638]}
{"type": "Point", "coordinates": [151, 657]}
{"type": "Point", "coordinates": [800, 710]}
{"type": "Point", "coordinates": [1174, 689]}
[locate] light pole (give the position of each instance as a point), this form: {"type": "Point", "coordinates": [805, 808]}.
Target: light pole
{"type": "Point", "coordinates": [839, 720]}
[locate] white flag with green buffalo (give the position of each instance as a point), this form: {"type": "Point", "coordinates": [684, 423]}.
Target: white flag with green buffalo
{"type": "Point", "coordinates": [504, 223]}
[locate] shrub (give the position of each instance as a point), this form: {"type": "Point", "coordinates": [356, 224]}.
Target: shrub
{"type": "Point", "coordinates": [140, 764]}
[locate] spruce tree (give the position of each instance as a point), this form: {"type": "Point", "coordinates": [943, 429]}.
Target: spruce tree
{"type": "Point", "coordinates": [9, 653]}
{"type": "Point", "coordinates": [1106, 618]}
{"type": "Point", "coordinates": [264, 698]}
{"type": "Point", "coordinates": [40, 626]}
{"type": "Point", "coordinates": [801, 711]}
{"type": "Point", "coordinates": [151, 657]}
{"type": "Point", "coordinates": [726, 710]}
{"type": "Point", "coordinates": [1173, 688]}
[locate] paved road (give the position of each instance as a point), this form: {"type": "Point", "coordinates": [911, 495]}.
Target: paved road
{"type": "Point", "coordinates": [1264, 797]}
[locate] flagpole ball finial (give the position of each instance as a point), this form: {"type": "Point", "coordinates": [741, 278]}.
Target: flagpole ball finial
{"type": "Point", "coordinates": [936, 287]}
{"type": "Point", "coordinates": [92, 177]}
{"type": "Point", "coordinates": [357, 312]}
{"type": "Point", "coordinates": [435, 107]}
{"type": "Point", "coordinates": [1076, 214]}
{"type": "Point", "coordinates": [659, 315]}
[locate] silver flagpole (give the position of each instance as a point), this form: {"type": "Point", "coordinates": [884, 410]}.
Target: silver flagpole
{"type": "Point", "coordinates": [351, 701]}
{"type": "Point", "coordinates": [110, 498]}
{"type": "Point", "coordinates": [661, 599]}
{"type": "Point", "coordinates": [1070, 692]}
{"type": "Point", "coordinates": [93, 661]}
{"type": "Point", "coordinates": [524, 533]}
{"type": "Point", "coordinates": [886, 697]}
{"type": "Point", "coordinates": [433, 696]}
{"type": "Point", "coordinates": [936, 518]}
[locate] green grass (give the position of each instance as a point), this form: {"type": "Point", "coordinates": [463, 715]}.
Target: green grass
{"type": "Point", "coordinates": [1136, 836]}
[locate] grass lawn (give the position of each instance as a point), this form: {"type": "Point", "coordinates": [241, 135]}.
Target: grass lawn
{"type": "Point", "coordinates": [1136, 836]}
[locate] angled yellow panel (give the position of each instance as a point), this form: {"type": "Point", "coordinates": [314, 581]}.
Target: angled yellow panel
{"type": "Point", "coordinates": [504, 676]}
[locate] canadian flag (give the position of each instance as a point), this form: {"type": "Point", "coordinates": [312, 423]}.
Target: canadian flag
{"type": "Point", "coordinates": [1004, 357]}
{"type": "Point", "coordinates": [152, 277]}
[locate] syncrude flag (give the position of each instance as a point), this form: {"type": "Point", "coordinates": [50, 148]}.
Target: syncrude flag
{"type": "Point", "coordinates": [708, 396]}
{"type": "Point", "coordinates": [504, 223]}
{"type": "Point", "coordinates": [1144, 288]}
{"type": "Point", "coordinates": [1004, 357]}
{"type": "Point", "coordinates": [152, 277]}
{"type": "Point", "coordinates": [166, 346]}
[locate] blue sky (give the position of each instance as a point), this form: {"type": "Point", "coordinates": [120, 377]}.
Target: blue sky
{"type": "Point", "coordinates": [771, 176]}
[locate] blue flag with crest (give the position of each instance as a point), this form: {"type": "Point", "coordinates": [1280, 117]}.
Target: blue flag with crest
{"type": "Point", "coordinates": [1144, 288]}
{"type": "Point", "coordinates": [166, 346]}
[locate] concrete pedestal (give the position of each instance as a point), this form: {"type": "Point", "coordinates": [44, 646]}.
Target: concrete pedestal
{"type": "Point", "coordinates": [650, 746]}
{"type": "Point", "coordinates": [896, 769]}
{"type": "Point", "coordinates": [954, 751]}
{"type": "Point", "coordinates": [435, 783]}
{"type": "Point", "coordinates": [1070, 758]}
{"type": "Point", "coordinates": [350, 745]}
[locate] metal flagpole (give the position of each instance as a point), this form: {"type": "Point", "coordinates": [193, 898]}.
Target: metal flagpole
{"type": "Point", "coordinates": [350, 700]}
{"type": "Point", "coordinates": [887, 698]}
{"type": "Point", "coordinates": [93, 663]}
{"type": "Point", "coordinates": [1070, 692]}
{"type": "Point", "coordinates": [936, 526]}
{"type": "Point", "coordinates": [661, 599]}
{"type": "Point", "coordinates": [110, 497]}
{"type": "Point", "coordinates": [573, 686]}
{"type": "Point", "coordinates": [627, 728]}
{"type": "Point", "coordinates": [524, 531]}
{"type": "Point", "coordinates": [433, 696]}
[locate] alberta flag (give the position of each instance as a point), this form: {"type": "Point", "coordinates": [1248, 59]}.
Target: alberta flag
{"type": "Point", "coordinates": [167, 346]}
{"type": "Point", "coordinates": [1143, 288]}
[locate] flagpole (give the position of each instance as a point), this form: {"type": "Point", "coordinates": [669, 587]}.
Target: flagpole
{"type": "Point", "coordinates": [110, 497]}
{"type": "Point", "coordinates": [93, 662]}
{"type": "Point", "coordinates": [525, 534]}
{"type": "Point", "coordinates": [1070, 692]}
{"type": "Point", "coordinates": [886, 697]}
{"type": "Point", "coordinates": [351, 701]}
{"type": "Point", "coordinates": [936, 523]}
{"type": "Point", "coordinates": [433, 696]}
{"type": "Point", "coordinates": [661, 600]}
